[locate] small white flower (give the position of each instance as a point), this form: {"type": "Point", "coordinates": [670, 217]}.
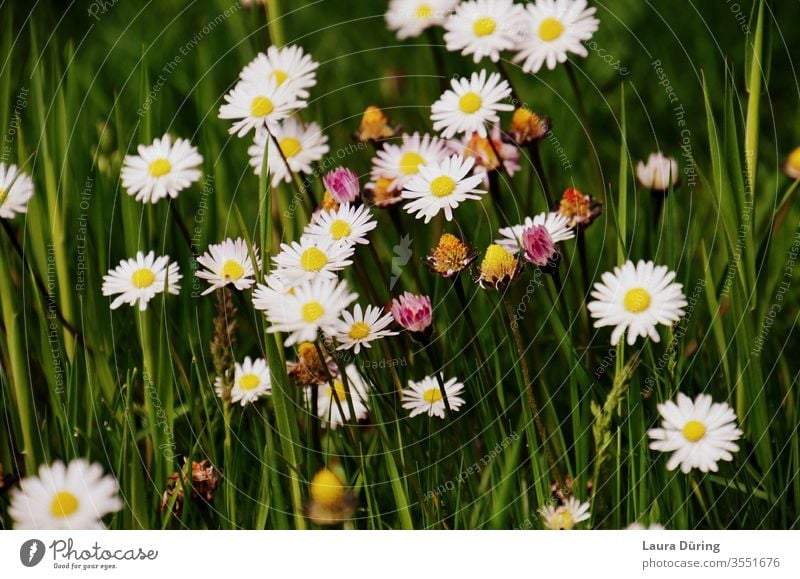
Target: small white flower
{"type": "Point", "coordinates": [642, 527]}
{"type": "Point", "coordinates": [160, 170]}
{"type": "Point", "coordinates": [470, 104]}
{"type": "Point", "coordinates": [312, 258]}
{"type": "Point", "coordinates": [275, 289]}
{"type": "Point", "coordinates": [258, 105]}
{"type": "Point", "coordinates": [700, 433]}
{"type": "Point", "coordinates": [565, 517]}
{"type": "Point", "coordinates": [557, 226]}
{"type": "Point", "coordinates": [410, 18]}
{"type": "Point", "coordinates": [71, 497]}
{"type": "Point", "coordinates": [483, 28]}
{"type": "Point", "coordinates": [251, 381]}
{"type": "Point", "coordinates": [442, 186]}
{"type": "Point", "coordinates": [16, 189]}
{"type": "Point", "coordinates": [228, 263]}
{"type": "Point", "coordinates": [300, 145]}
{"type": "Point", "coordinates": [348, 224]}
{"type": "Point", "coordinates": [332, 405]}
{"type": "Point", "coordinates": [289, 65]}
{"type": "Point", "coordinates": [659, 173]}
{"type": "Point", "coordinates": [139, 280]}
{"type": "Point", "coordinates": [636, 298]}
{"type": "Point", "coordinates": [425, 397]}
{"type": "Point", "coordinates": [551, 29]}
{"type": "Point", "coordinates": [399, 163]}
{"type": "Point", "coordinates": [311, 307]}
{"type": "Point", "coordinates": [360, 328]}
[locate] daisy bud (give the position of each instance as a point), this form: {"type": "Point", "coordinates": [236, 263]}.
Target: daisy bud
{"type": "Point", "coordinates": [659, 173]}
{"type": "Point", "coordinates": [374, 125]}
{"type": "Point", "coordinates": [451, 256]}
{"type": "Point", "coordinates": [539, 247]}
{"type": "Point", "coordinates": [342, 184]}
{"type": "Point", "coordinates": [498, 268]}
{"type": "Point", "coordinates": [527, 126]}
{"type": "Point", "coordinates": [413, 312]}
{"type": "Point", "coordinates": [792, 166]}
{"type": "Point", "coordinates": [331, 502]}
{"type": "Point", "coordinates": [579, 209]}
{"type": "Point", "coordinates": [380, 193]}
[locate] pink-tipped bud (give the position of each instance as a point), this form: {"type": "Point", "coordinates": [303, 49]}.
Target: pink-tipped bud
{"type": "Point", "coordinates": [342, 184]}
{"type": "Point", "coordinates": [413, 312]}
{"type": "Point", "coordinates": [538, 245]}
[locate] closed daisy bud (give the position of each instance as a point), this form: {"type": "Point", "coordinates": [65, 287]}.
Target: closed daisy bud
{"type": "Point", "coordinates": [380, 192]}
{"type": "Point", "coordinates": [331, 502]}
{"type": "Point", "coordinates": [498, 268]}
{"type": "Point", "coordinates": [579, 209]}
{"type": "Point", "coordinates": [450, 256]}
{"type": "Point", "coordinates": [527, 126]}
{"type": "Point", "coordinates": [309, 369]}
{"type": "Point", "coordinates": [659, 173]}
{"type": "Point", "coordinates": [539, 247]}
{"type": "Point", "coordinates": [374, 125]}
{"type": "Point", "coordinates": [342, 184]}
{"type": "Point", "coordinates": [792, 166]}
{"type": "Point", "coordinates": [413, 312]}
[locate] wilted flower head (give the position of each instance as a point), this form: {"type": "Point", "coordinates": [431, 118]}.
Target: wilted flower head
{"type": "Point", "coordinates": [539, 247]}
{"type": "Point", "coordinates": [331, 502]}
{"type": "Point", "coordinates": [490, 153]}
{"type": "Point", "coordinates": [203, 486]}
{"type": "Point", "coordinates": [658, 173]}
{"type": "Point", "coordinates": [450, 256]}
{"type": "Point", "coordinates": [498, 268]}
{"type": "Point", "coordinates": [374, 125]}
{"type": "Point", "coordinates": [413, 312]}
{"type": "Point", "coordinates": [380, 193]}
{"type": "Point", "coordinates": [342, 184]}
{"type": "Point", "coordinates": [792, 166]}
{"type": "Point", "coordinates": [309, 368]}
{"type": "Point", "coordinates": [580, 209]}
{"type": "Point", "coordinates": [527, 126]}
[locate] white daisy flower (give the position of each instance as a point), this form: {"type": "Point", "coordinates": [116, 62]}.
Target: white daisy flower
{"type": "Point", "coordinates": [301, 145]}
{"type": "Point", "coordinates": [483, 28]}
{"type": "Point", "coordinates": [551, 29]}
{"type": "Point", "coordinates": [700, 433]}
{"type": "Point", "coordinates": [470, 105]}
{"type": "Point", "coordinates": [425, 396]}
{"type": "Point", "coordinates": [399, 163]}
{"type": "Point", "coordinates": [139, 280]}
{"type": "Point", "coordinates": [659, 173]}
{"type": "Point", "coordinates": [312, 258]}
{"type": "Point", "coordinates": [348, 224]}
{"type": "Point", "coordinates": [71, 497]}
{"type": "Point", "coordinates": [362, 327]}
{"type": "Point", "coordinates": [410, 18]}
{"type": "Point", "coordinates": [442, 186]}
{"type": "Point", "coordinates": [289, 65]}
{"type": "Point", "coordinates": [313, 306]}
{"type": "Point", "coordinates": [228, 263]}
{"type": "Point", "coordinates": [275, 289]}
{"type": "Point", "coordinates": [637, 526]}
{"type": "Point", "coordinates": [557, 226]}
{"type": "Point", "coordinates": [564, 517]}
{"type": "Point", "coordinates": [258, 105]}
{"type": "Point", "coordinates": [161, 169]}
{"type": "Point", "coordinates": [332, 405]}
{"type": "Point", "coordinates": [636, 299]}
{"type": "Point", "coordinates": [16, 189]}
{"type": "Point", "coordinates": [251, 381]}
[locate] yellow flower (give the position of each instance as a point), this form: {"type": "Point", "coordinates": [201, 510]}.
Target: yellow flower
{"type": "Point", "coordinates": [527, 126]}
{"type": "Point", "coordinates": [498, 268]}
{"type": "Point", "coordinates": [450, 256]}
{"type": "Point", "coordinates": [374, 125]}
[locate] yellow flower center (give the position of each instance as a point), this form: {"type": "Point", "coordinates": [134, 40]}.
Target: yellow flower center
{"type": "Point", "coordinates": [326, 488]}
{"type": "Point", "coordinates": [143, 278]}
{"type": "Point", "coordinates": [312, 311]}
{"type": "Point", "coordinates": [337, 392]}
{"type": "Point", "coordinates": [432, 395]}
{"type": "Point", "coordinates": [424, 11]}
{"type": "Point", "coordinates": [550, 29]}
{"type": "Point", "coordinates": [261, 106]}
{"type": "Point", "coordinates": [694, 431]}
{"type": "Point", "coordinates": [2, 196]}
{"type": "Point", "coordinates": [794, 161]}
{"type": "Point", "coordinates": [563, 519]}
{"type": "Point", "coordinates": [637, 300]}
{"type": "Point", "coordinates": [232, 270]}
{"type": "Point", "coordinates": [280, 76]}
{"type": "Point", "coordinates": [410, 162]}
{"type": "Point", "coordinates": [313, 259]}
{"type": "Point", "coordinates": [497, 263]}
{"type": "Point", "coordinates": [64, 504]}
{"type": "Point", "coordinates": [442, 186]}
{"type": "Point", "coordinates": [450, 255]}
{"type": "Point", "coordinates": [340, 229]}
{"type": "Point", "coordinates": [359, 331]}
{"type": "Point", "coordinates": [484, 26]}
{"type": "Point", "coordinates": [290, 147]}
{"type": "Point", "coordinates": [249, 382]}
{"type": "Point", "coordinates": [470, 102]}
{"type": "Point", "coordinates": [160, 167]}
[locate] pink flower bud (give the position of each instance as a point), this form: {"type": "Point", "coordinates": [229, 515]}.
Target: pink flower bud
{"type": "Point", "coordinates": [342, 184]}
{"type": "Point", "coordinates": [412, 312]}
{"type": "Point", "coordinates": [538, 245]}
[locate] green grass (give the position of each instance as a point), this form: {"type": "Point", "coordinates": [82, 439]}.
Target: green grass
{"type": "Point", "coordinates": [135, 391]}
